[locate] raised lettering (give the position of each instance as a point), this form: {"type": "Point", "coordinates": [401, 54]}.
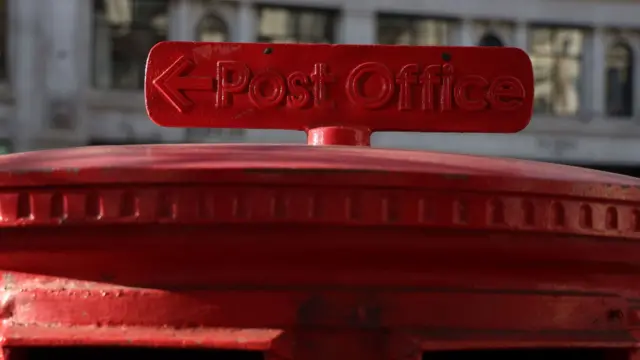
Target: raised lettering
{"type": "Point", "coordinates": [462, 90]}
{"type": "Point", "coordinates": [299, 97]}
{"type": "Point", "coordinates": [407, 77]}
{"type": "Point", "coordinates": [369, 85]}
{"type": "Point", "coordinates": [428, 79]}
{"type": "Point", "coordinates": [506, 93]}
{"type": "Point", "coordinates": [445, 92]}
{"type": "Point", "coordinates": [321, 77]}
{"type": "Point", "coordinates": [267, 90]}
{"type": "Point", "coordinates": [356, 83]}
{"type": "Point", "coordinates": [232, 77]}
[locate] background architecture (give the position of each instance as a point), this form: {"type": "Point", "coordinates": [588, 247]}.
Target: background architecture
{"type": "Point", "coordinates": [72, 70]}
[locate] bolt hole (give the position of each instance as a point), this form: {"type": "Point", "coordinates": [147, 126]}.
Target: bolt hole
{"type": "Point", "coordinates": [615, 314]}
{"type": "Point", "coordinates": [268, 51]}
{"type": "Point", "coordinates": [446, 56]}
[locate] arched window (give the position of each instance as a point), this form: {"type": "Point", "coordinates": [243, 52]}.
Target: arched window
{"type": "Point", "coordinates": [490, 40]}
{"type": "Point", "coordinates": [620, 80]}
{"type": "Point", "coordinates": [212, 29]}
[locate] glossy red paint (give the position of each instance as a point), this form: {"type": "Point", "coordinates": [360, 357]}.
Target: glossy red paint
{"type": "Point", "coordinates": [339, 135]}
{"type": "Point", "coordinates": [364, 87]}
{"type": "Point", "coordinates": [313, 252]}
{"type": "Point", "coordinates": [284, 249]}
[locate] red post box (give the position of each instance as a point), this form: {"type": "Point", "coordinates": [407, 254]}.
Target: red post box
{"type": "Point", "coordinates": [323, 251]}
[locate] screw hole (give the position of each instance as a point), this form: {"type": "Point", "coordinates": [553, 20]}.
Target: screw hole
{"type": "Point", "coordinates": [615, 314]}
{"type": "Point", "coordinates": [446, 56]}
{"type": "Point", "coordinates": [268, 51]}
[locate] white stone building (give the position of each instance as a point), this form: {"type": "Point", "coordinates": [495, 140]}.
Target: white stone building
{"type": "Point", "coordinates": [72, 70]}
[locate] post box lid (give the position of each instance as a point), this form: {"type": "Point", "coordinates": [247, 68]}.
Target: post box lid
{"type": "Point", "coordinates": [299, 184]}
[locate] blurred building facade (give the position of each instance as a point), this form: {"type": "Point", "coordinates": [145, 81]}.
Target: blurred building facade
{"type": "Point", "coordinates": [71, 71]}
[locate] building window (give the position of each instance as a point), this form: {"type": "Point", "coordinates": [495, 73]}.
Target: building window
{"type": "Point", "coordinates": [296, 25]}
{"type": "Point", "coordinates": [620, 80]}
{"type": "Point", "coordinates": [493, 32]}
{"type": "Point", "coordinates": [125, 31]}
{"type": "Point", "coordinates": [490, 39]}
{"type": "Point", "coordinates": [556, 54]}
{"type": "Point", "coordinates": [212, 29]}
{"type": "Point", "coordinates": [403, 30]}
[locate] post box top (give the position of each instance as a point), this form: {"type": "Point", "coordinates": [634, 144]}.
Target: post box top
{"type": "Point", "coordinates": [321, 88]}
{"type": "Point", "coordinates": [171, 163]}
{"type": "Point", "coordinates": [338, 94]}
{"type": "Point", "coordinates": [93, 184]}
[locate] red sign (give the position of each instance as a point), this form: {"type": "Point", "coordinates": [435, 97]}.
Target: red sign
{"type": "Point", "coordinates": [303, 86]}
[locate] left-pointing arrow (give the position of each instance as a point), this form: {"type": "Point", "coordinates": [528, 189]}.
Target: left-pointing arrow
{"type": "Point", "coordinates": [173, 82]}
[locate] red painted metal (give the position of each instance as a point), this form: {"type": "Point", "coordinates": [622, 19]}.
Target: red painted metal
{"type": "Point", "coordinates": [339, 135]}
{"type": "Point", "coordinates": [315, 252]}
{"type": "Point", "coordinates": [262, 247]}
{"type": "Point", "coordinates": [324, 87]}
